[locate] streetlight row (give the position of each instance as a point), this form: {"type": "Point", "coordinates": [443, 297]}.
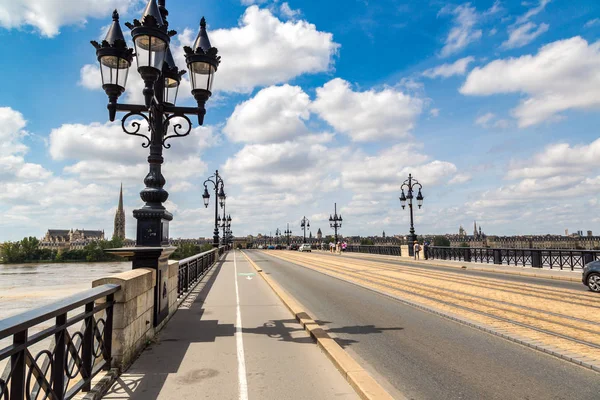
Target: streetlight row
{"type": "Point", "coordinates": [335, 220]}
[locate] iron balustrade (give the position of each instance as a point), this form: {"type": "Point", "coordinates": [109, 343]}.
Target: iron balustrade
{"type": "Point", "coordinates": [383, 250]}
{"type": "Point", "coordinates": [192, 269]}
{"type": "Point", "coordinates": [74, 357]}
{"type": "Point", "coordinates": [536, 258]}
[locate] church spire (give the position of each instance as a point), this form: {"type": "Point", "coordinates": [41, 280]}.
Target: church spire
{"type": "Point", "coordinates": [120, 199]}
{"type": "Point", "coordinates": [119, 229]}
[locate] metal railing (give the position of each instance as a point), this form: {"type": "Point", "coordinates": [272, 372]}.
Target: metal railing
{"type": "Point", "coordinates": [74, 356]}
{"type": "Point", "coordinates": [383, 250]}
{"type": "Point", "coordinates": [193, 268]}
{"type": "Point", "coordinates": [536, 258]}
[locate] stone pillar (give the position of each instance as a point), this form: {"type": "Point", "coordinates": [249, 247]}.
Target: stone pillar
{"type": "Point", "coordinates": [132, 313]}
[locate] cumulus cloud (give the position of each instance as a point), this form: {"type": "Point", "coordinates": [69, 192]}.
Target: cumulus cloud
{"type": "Point", "coordinates": [393, 166]}
{"type": "Point", "coordinates": [263, 51]}
{"type": "Point", "coordinates": [275, 114]}
{"type": "Point", "coordinates": [369, 115]}
{"type": "Point", "coordinates": [47, 16]}
{"type": "Point", "coordinates": [561, 76]}
{"type": "Point", "coordinates": [558, 159]}
{"type": "Point", "coordinates": [459, 67]}
{"type": "Point", "coordinates": [463, 32]}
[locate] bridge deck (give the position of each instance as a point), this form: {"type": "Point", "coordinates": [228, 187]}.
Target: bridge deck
{"type": "Point", "coordinates": [205, 352]}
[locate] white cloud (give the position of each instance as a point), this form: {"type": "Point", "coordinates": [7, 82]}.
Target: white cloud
{"type": "Point", "coordinates": [287, 11]}
{"type": "Point", "coordinates": [434, 112]}
{"type": "Point", "coordinates": [460, 179]}
{"type": "Point", "coordinates": [275, 114]}
{"type": "Point", "coordinates": [393, 166]}
{"type": "Point", "coordinates": [560, 77]}
{"type": "Point", "coordinates": [485, 119]}
{"type": "Point", "coordinates": [524, 34]}
{"type": "Point", "coordinates": [459, 67]}
{"type": "Point", "coordinates": [264, 51]}
{"type": "Point", "coordinates": [558, 159]}
{"type": "Point", "coordinates": [367, 116]}
{"type": "Point", "coordinates": [463, 32]}
{"type": "Point", "coordinates": [532, 12]}
{"type": "Point", "coordinates": [47, 16]}
{"type": "Point", "coordinates": [592, 23]}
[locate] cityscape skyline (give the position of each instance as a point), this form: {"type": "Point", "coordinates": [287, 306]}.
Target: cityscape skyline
{"type": "Point", "coordinates": [467, 97]}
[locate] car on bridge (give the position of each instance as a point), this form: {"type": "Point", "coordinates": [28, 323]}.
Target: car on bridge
{"type": "Point", "coordinates": [591, 276]}
{"type": "Point", "coordinates": [293, 247]}
{"type": "Point", "coordinates": [305, 247]}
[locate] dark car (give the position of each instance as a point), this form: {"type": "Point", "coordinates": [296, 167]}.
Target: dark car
{"type": "Point", "coordinates": [271, 247]}
{"type": "Point", "coordinates": [293, 247]}
{"type": "Point", "coordinates": [591, 276]}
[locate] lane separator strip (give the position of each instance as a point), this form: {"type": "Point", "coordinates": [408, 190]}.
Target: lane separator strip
{"type": "Point", "coordinates": [239, 340]}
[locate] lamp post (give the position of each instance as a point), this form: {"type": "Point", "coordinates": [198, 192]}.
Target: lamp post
{"type": "Point", "coordinates": [277, 235]}
{"type": "Point", "coordinates": [409, 185]}
{"type": "Point", "coordinates": [155, 64]}
{"type": "Point", "coordinates": [220, 198]}
{"type": "Point", "coordinates": [304, 223]}
{"type": "Point", "coordinates": [288, 233]}
{"type": "Point", "coordinates": [335, 221]}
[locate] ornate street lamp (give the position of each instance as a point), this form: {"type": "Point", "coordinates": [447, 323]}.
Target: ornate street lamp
{"type": "Point", "coordinates": [410, 184]}
{"type": "Point", "coordinates": [155, 64]}
{"type": "Point", "coordinates": [335, 221]}
{"type": "Point", "coordinates": [277, 235]}
{"type": "Point", "coordinates": [220, 197]}
{"type": "Point", "coordinates": [304, 224]}
{"type": "Point", "coordinates": [288, 233]}
{"type": "Point", "coordinates": [151, 38]}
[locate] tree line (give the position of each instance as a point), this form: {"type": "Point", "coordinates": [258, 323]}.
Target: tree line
{"type": "Point", "coordinates": [28, 250]}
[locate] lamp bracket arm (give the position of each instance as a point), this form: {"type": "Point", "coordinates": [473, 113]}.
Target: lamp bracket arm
{"type": "Point", "coordinates": [180, 110]}
{"type": "Point", "coordinates": [177, 129]}
{"type": "Point", "coordinates": [209, 180]}
{"type": "Point", "coordinates": [131, 108]}
{"type": "Point", "coordinates": [135, 127]}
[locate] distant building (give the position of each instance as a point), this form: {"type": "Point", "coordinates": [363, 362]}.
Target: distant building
{"type": "Point", "coordinates": [589, 234]}
{"type": "Point", "coordinates": [63, 239]}
{"type": "Point", "coordinates": [119, 228]}
{"type": "Point", "coordinates": [319, 234]}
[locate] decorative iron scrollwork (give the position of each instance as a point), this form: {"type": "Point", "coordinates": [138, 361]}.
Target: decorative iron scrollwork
{"type": "Point", "coordinates": [136, 125]}
{"type": "Point", "coordinates": [176, 128]}
{"type": "Point", "coordinates": [73, 348]}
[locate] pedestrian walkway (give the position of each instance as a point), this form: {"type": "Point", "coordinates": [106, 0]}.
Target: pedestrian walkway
{"type": "Point", "coordinates": [232, 339]}
{"type": "Point", "coordinates": [547, 273]}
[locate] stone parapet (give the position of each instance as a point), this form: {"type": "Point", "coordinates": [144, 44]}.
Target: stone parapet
{"type": "Point", "coordinates": [132, 313]}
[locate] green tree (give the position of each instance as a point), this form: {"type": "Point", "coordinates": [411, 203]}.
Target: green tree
{"type": "Point", "coordinates": [442, 241]}
{"type": "Point", "coordinates": [29, 247]}
{"type": "Point", "coordinates": [12, 252]}
{"type": "Point", "coordinates": [366, 242]}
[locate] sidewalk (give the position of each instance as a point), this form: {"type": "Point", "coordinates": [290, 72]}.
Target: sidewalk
{"type": "Point", "coordinates": [232, 339]}
{"type": "Point", "coordinates": [545, 273]}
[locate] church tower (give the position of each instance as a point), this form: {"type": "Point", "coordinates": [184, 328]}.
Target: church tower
{"type": "Point", "coordinates": [119, 231]}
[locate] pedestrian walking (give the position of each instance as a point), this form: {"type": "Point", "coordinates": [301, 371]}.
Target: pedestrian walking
{"type": "Point", "coordinates": [426, 250]}
{"type": "Point", "coordinates": [417, 249]}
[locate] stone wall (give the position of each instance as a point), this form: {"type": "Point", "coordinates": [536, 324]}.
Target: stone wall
{"type": "Point", "coordinates": [132, 313]}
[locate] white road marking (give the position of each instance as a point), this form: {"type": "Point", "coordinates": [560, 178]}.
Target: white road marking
{"type": "Point", "coordinates": [242, 381]}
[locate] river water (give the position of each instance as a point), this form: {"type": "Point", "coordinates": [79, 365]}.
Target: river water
{"type": "Point", "coordinates": [27, 286]}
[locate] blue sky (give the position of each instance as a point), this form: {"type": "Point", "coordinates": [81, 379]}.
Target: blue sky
{"type": "Point", "coordinates": [492, 105]}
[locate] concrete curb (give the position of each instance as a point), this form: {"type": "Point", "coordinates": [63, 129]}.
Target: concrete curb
{"type": "Point", "coordinates": [362, 382]}
{"type": "Point", "coordinates": [473, 267]}
{"type": "Point", "coordinates": [531, 343]}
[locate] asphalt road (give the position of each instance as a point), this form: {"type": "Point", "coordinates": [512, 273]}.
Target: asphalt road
{"type": "Point", "coordinates": [425, 356]}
